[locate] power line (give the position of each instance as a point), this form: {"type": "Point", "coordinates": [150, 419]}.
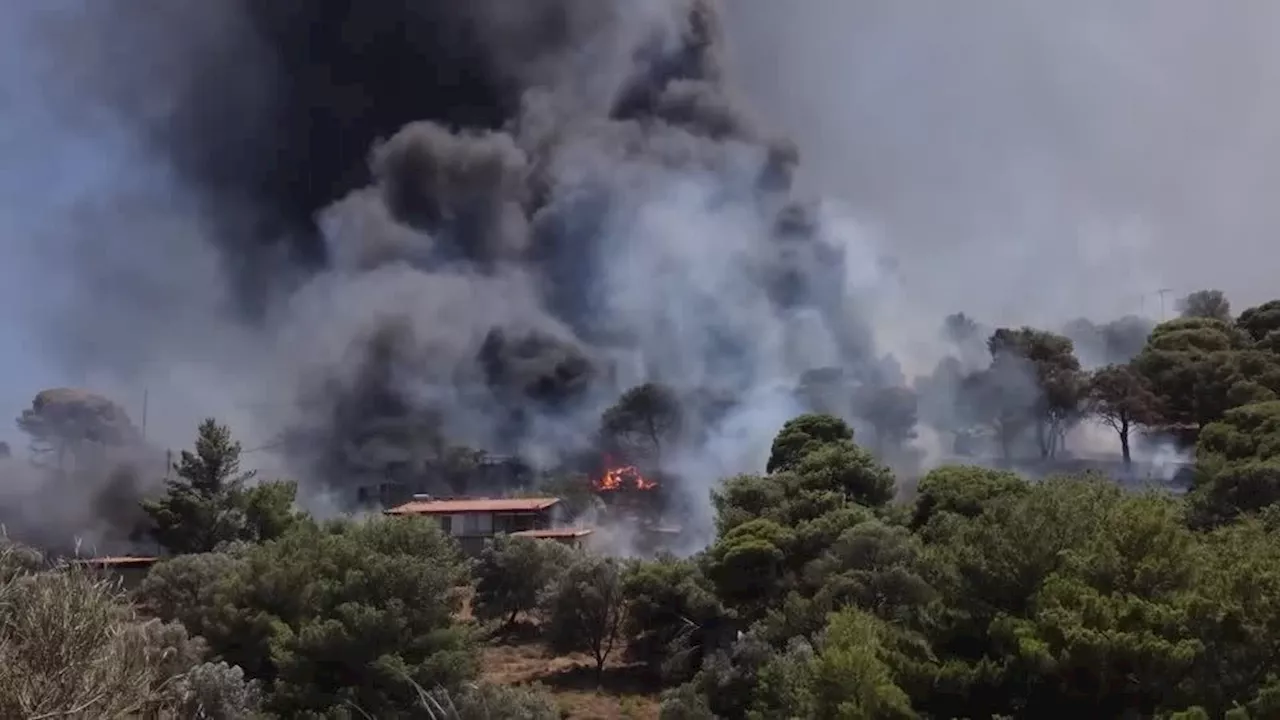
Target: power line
{"type": "Point", "coordinates": [279, 437]}
{"type": "Point", "coordinates": [278, 442]}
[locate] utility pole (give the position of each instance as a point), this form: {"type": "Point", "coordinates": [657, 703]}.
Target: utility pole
{"type": "Point", "coordinates": [1162, 292]}
{"type": "Point", "coordinates": [145, 397]}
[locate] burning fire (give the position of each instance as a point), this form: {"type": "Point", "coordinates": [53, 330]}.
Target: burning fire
{"type": "Point", "coordinates": [624, 477]}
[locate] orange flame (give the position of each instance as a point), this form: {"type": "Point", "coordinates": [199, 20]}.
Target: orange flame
{"type": "Point", "coordinates": [624, 477]}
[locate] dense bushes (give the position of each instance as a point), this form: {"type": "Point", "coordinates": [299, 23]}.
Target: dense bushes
{"type": "Point", "coordinates": [71, 645]}
{"type": "Point", "coordinates": [985, 595]}
{"type": "Point", "coordinates": [344, 620]}
{"type": "Point", "coordinates": [512, 574]}
{"type": "Point", "coordinates": [350, 614]}
{"type": "Point", "coordinates": [993, 597]}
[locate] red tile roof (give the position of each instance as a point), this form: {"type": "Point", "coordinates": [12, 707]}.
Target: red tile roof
{"type": "Point", "coordinates": [555, 534]}
{"type": "Point", "coordinates": [478, 505]}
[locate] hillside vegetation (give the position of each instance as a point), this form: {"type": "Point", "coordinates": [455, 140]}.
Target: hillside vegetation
{"type": "Point", "coordinates": [827, 592]}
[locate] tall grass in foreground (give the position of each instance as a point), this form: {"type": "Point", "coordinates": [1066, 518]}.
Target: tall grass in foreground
{"type": "Point", "coordinates": [72, 645]}
{"type": "Point", "coordinates": [484, 701]}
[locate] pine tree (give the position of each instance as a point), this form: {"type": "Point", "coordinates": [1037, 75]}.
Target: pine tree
{"type": "Point", "coordinates": [205, 505]}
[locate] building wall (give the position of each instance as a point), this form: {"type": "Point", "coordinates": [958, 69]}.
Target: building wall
{"type": "Point", "coordinates": [472, 530]}
{"type": "Point", "coordinates": [129, 576]}
{"type": "Point", "coordinates": [489, 523]}
{"type": "Point", "coordinates": [468, 524]}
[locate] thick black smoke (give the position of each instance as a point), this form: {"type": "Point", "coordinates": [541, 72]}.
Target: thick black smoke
{"type": "Point", "coordinates": [477, 223]}
{"type": "Point", "coordinates": [271, 109]}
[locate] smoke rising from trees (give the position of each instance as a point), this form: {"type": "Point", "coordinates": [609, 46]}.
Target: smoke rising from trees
{"type": "Point", "coordinates": [416, 219]}
{"type": "Point", "coordinates": [365, 234]}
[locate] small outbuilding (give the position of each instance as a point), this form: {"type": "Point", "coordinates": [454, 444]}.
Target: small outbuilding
{"type": "Point", "coordinates": [129, 569]}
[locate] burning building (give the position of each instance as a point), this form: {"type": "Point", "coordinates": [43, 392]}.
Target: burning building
{"type": "Point", "coordinates": [637, 504]}
{"type": "Point", "coordinates": [501, 215]}
{"type": "Point", "coordinates": [627, 477]}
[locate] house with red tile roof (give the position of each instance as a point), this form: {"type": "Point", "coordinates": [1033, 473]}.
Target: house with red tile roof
{"type": "Point", "coordinates": [472, 521]}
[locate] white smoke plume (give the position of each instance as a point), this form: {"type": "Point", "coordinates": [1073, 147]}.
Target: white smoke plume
{"type": "Point", "coordinates": [419, 219]}
{"type": "Point", "coordinates": [341, 226]}
{"type": "Point", "coordinates": [1034, 162]}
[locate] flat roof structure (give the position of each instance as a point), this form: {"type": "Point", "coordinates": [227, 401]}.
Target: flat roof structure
{"type": "Point", "coordinates": [124, 561]}
{"type": "Point", "coordinates": [477, 505]}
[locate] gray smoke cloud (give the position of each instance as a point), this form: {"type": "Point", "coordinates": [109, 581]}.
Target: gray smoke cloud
{"type": "Point", "coordinates": [1035, 162]}
{"type": "Point", "coordinates": [360, 232]}
{"type": "Point", "coordinates": [1032, 163]}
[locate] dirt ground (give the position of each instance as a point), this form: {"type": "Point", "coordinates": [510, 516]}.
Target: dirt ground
{"type": "Point", "coordinates": [621, 694]}
{"type": "Point", "coordinates": [518, 659]}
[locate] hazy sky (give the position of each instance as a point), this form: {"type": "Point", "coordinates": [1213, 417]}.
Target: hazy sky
{"type": "Point", "coordinates": [1031, 160]}
{"type": "Point", "coordinates": [1025, 162]}
{"type": "Point", "coordinates": [35, 177]}
{"type": "Point", "coordinates": [101, 246]}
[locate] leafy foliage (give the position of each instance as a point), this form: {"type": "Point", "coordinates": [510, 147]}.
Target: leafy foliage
{"type": "Point", "coordinates": [71, 645]}
{"type": "Point", "coordinates": [350, 614]}
{"type": "Point", "coordinates": [513, 573]}
{"type": "Point", "coordinates": [643, 421]}
{"type": "Point", "coordinates": [1000, 597]}
{"type": "Point", "coordinates": [586, 609]}
{"type": "Point", "coordinates": [1250, 432]}
{"type": "Point", "coordinates": [963, 491]}
{"type": "Point", "coordinates": [802, 435]}
{"type": "Point", "coordinates": [827, 591]}
{"type": "Point", "coordinates": [64, 425]}
{"type": "Point", "coordinates": [1260, 322]}
{"type": "Point", "coordinates": [1199, 368]}
{"type": "Point", "coordinates": [1210, 304]}
{"type": "Point", "coordinates": [847, 469]}
{"type": "Point", "coordinates": [1056, 380]}
{"type": "Point", "coordinates": [1122, 398]}
{"type": "Point", "coordinates": [208, 503]}
{"type": "Point", "coordinates": [673, 615]}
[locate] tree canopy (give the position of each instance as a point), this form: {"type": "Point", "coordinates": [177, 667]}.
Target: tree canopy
{"type": "Point", "coordinates": [349, 614]}
{"type": "Point", "coordinates": [644, 420]}
{"type": "Point", "coordinates": [209, 501]}
{"type": "Point", "coordinates": [1211, 304]}
{"type": "Point", "coordinates": [68, 428]}
{"type": "Point", "coordinates": [835, 585]}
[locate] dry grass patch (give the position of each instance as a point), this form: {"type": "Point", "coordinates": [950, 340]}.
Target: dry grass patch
{"type": "Point", "coordinates": [624, 691]}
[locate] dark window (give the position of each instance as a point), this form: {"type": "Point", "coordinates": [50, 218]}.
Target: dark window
{"type": "Point", "coordinates": [514, 522]}
{"type": "Point", "coordinates": [477, 524]}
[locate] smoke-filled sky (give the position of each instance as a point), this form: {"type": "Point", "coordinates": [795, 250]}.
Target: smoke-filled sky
{"type": "Point", "coordinates": [1035, 159]}
{"type": "Point", "coordinates": [186, 204]}
{"type": "Point", "coordinates": [109, 281]}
